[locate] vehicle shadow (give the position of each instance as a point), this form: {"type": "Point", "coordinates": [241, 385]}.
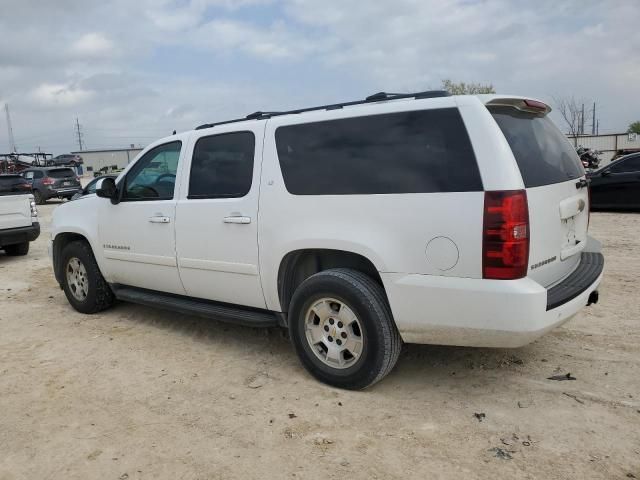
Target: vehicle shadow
{"type": "Point", "coordinates": [419, 366]}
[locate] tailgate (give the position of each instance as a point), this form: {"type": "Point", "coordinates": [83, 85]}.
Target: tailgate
{"type": "Point", "coordinates": [15, 211]}
{"type": "Point", "coordinates": [551, 172]}
{"type": "Point", "coordinates": [558, 219]}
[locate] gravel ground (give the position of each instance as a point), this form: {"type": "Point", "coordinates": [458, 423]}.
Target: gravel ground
{"type": "Point", "coordinates": [140, 393]}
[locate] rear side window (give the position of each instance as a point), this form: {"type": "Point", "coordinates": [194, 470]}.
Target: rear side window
{"type": "Point", "coordinates": [61, 173]}
{"type": "Point", "coordinates": [409, 152]}
{"type": "Point", "coordinates": [222, 166]}
{"type": "Point", "coordinates": [542, 152]}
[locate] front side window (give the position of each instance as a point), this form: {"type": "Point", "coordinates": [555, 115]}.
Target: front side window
{"type": "Point", "coordinates": [421, 151]}
{"type": "Point", "coordinates": [222, 166]}
{"type": "Point", "coordinates": [153, 177]}
{"type": "Point", "coordinates": [626, 166]}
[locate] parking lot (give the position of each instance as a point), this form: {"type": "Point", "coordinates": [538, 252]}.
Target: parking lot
{"type": "Point", "coordinates": [141, 393]}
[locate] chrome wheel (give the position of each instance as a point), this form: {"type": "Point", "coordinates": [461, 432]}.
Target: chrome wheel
{"type": "Point", "coordinates": [334, 333]}
{"type": "Point", "coordinates": [77, 279]}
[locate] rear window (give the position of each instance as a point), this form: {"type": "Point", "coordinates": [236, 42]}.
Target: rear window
{"type": "Point", "coordinates": [61, 173]}
{"type": "Point", "coordinates": [409, 152]}
{"type": "Point", "coordinates": [543, 153]}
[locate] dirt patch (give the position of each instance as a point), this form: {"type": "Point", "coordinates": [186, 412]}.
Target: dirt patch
{"type": "Point", "coordinates": [140, 393]}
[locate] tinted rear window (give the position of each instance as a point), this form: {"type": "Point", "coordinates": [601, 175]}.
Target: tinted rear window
{"type": "Point", "coordinates": [61, 173]}
{"type": "Point", "coordinates": [408, 152]}
{"type": "Point", "coordinates": [543, 153]}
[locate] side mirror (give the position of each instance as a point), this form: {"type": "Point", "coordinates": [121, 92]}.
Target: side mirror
{"type": "Point", "coordinates": [106, 188]}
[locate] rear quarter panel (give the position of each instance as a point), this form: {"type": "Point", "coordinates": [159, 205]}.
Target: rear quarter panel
{"type": "Point", "coordinates": [391, 230]}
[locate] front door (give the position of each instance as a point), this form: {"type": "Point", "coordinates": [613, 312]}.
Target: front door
{"type": "Point", "coordinates": [217, 217]}
{"type": "Point", "coordinates": [137, 234]}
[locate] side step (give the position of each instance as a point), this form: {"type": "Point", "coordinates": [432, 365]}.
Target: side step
{"type": "Point", "coordinates": [249, 317]}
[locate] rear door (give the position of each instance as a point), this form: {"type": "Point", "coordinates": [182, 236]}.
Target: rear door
{"type": "Point", "coordinates": [621, 183]}
{"type": "Point", "coordinates": [558, 201]}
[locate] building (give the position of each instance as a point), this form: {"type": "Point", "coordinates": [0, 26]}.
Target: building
{"type": "Point", "coordinates": [609, 144]}
{"type": "Point", "coordinates": [115, 158]}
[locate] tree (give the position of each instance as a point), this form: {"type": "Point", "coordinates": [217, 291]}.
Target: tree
{"type": "Point", "coordinates": [461, 88]}
{"type": "Point", "coordinates": [634, 128]}
{"type": "Point", "coordinates": [571, 112]}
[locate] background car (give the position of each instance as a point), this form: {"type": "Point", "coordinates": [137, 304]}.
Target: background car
{"type": "Point", "coordinates": [617, 185]}
{"type": "Point", "coordinates": [66, 159]}
{"type": "Point", "coordinates": [52, 182]}
{"type": "Point", "coordinates": [91, 187]}
{"type": "Point", "coordinates": [13, 183]}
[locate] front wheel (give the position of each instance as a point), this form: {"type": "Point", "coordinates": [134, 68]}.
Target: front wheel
{"type": "Point", "coordinates": [342, 329]}
{"type": "Point", "coordinates": [83, 284]}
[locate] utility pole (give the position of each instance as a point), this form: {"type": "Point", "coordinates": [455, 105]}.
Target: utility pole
{"type": "Point", "coordinates": [593, 120]}
{"type": "Point", "coordinates": [597, 127]}
{"type": "Point", "coordinates": [12, 141]}
{"type": "Point", "coordinates": [79, 135]}
{"type": "Point", "coordinates": [582, 121]}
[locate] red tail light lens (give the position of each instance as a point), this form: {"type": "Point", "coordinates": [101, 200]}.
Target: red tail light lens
{"type": "Point", "coordinates": [48, 181]}
{"type": "Point", "coordinates": [505, 243]}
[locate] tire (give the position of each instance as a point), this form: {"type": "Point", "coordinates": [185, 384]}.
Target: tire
{"type": "Point", "coordinates": [39, 199]}
{"type": "Point", "coordinates": [17, 249]}
{"type": "Point", "coordinates": [380, 343]}
{"type": "Point", "coordinates": [86, 290]}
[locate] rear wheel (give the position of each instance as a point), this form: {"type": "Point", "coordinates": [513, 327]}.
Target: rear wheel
{"type": "Point", "coordinates": [342, 329]}
{"type": "Point", "coordinates": [39, 199]}
{"type": "Point", "coordinates": [83, 284]}
{"type": "Point", "coordinates": [17, 249]}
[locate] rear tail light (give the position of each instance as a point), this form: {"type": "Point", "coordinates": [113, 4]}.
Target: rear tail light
{"type": "Point", "coordinates": [48, 181]}
{"type": "Point", "coordinates": [505, 242]}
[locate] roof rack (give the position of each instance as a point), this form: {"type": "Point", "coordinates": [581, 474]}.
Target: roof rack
{"type": "Point", "coordinates": [376, 97]}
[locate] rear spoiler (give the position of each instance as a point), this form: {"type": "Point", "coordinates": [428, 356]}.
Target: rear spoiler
{"type": "Point", "coordinates": [519, 103]}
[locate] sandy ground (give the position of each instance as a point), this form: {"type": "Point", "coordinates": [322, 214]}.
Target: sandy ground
{"type": "Point", "coordinates": [140, 393]}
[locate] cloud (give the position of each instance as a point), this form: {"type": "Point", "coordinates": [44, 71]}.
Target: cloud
{"type": "Point", "coordinates": [92, 44]}
{"type": "Point", "coordinates": [49, 94]}
{"type": "Point", "coordinates": [139, 69]}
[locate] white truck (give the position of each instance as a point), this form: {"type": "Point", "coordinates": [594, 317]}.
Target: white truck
{"type": "Point", "coordinates": [421, 218]}
{"type": "Point", "coordinates": [18, 215]}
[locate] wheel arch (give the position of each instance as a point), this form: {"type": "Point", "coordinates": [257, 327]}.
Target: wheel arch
{"type": "Point", "coordinates": [298, 265]}
{"type": "Point", "coordinates": [59, 242]}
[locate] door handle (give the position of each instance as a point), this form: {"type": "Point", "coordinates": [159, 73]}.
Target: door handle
{"type": "Point", "coordinates": [159, 219]}
{"type": "Point", "coordinates": [238, 219]}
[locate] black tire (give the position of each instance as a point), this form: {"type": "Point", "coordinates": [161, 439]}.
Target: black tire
{"type": "Point", "coordinates": [39, 199]}
{"type": "Point", "coordinates": [367, 300]}
{"type": "Point", "coordinates": [17, 249]}
{"type": "Point", "coordinates": [99, 295]}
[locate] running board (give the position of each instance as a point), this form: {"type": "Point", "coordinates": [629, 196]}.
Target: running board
{"type": "Point", "coordinates": [248, 317]}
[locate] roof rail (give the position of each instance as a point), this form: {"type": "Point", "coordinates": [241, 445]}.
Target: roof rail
{"type": "Point", "coordinates": [376, 97]}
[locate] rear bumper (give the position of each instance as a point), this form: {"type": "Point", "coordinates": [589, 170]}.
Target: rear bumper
{"type": "Point", "coordinates": [486, 313]}
{"type": "Point", "coordinates": [12, 236]}
{"type": "Point", "coordinates": [61, 192]}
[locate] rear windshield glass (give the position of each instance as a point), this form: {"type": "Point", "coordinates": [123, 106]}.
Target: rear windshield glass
{"type": "Point", "coordinates": [61, 173]}
{"type": "Point", "coordinates": [408, 152]}
{"type": "Point", "coordinates": [543, 153]}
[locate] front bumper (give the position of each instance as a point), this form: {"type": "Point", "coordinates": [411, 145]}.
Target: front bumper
{"type": "Point", "coordinates": [487, 313]}
{"type": "Point", "coordinates": [13, 236]}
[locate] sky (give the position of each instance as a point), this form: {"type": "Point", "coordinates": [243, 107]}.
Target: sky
{"type": "Point", "coordinates": [132, 71]}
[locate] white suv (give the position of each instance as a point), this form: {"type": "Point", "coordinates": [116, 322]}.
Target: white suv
{"type": "Point", "coordinates": [423, 218]}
